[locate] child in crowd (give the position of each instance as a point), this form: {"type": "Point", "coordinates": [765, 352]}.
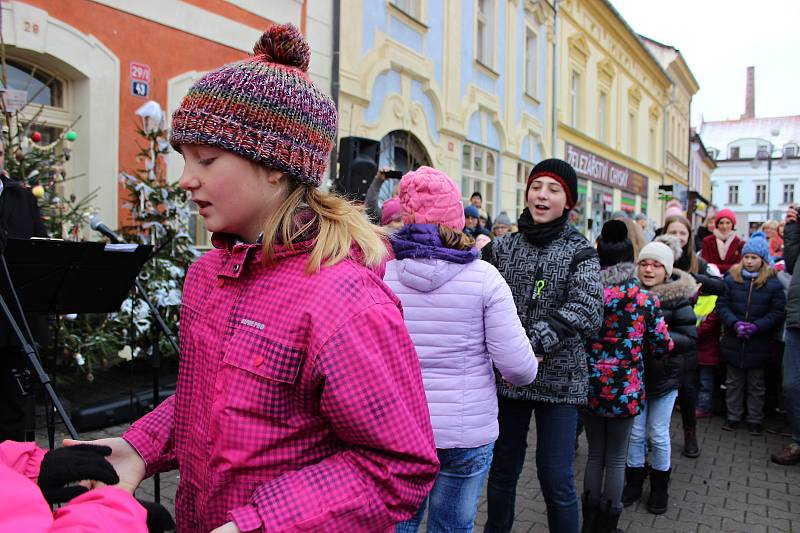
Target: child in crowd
{"type": "Point", "coordinates": [299, 403]}
{"type": "Point", "coordinates": [675, 290]}
{"type": "Point", "coordinates": [633, 329]}
{"type": "Point", "coordinates": [751, 311]}
{"type": "Point", "coordinates": [463, 321]}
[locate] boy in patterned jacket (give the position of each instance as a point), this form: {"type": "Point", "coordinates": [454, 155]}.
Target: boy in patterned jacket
{"type": "Point", "coordinates": [554, 277]}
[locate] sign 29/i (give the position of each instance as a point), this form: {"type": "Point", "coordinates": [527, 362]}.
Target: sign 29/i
{"type": "Point", "coordinates": [140, 79]}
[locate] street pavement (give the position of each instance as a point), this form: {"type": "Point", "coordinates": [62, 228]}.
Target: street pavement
{"type": "Point", "coordinates": [731, 487]}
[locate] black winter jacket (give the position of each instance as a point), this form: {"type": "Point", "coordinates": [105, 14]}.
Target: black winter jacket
{"type": "Point", "coordinates": [763, 306]}
{"type": "Point", "coordinates": [662, 375]}
{"type": "Point", "coordinates": [791, 252]}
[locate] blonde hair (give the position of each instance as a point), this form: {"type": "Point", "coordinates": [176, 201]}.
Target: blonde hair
{"type": "Point", "coordinates": [764, 273]}
{"type": "Point", "coordinates": [338, 224]}
{"type": "Point", "coordinates": [770, 224]}
{"type": "Point", "coordinates": [456, 240]}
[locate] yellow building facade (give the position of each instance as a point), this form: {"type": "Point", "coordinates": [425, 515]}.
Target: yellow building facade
{"type": "Point", "coordinates": [612, 100]}
{"type": "Point", "coordinates": [459, 85]}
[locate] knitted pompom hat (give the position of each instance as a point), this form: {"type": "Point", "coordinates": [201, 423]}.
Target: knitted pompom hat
{"type": "Point", "coordinates": [757, 245]}
{"type": "Point", "coordinates": [429, 196]}
{"type": "Point", "coordinates": [614, 246]}
{"type": "Point", "coordinates": [673, 243]}
{"type": "Point", "coordinates": [264, 108]}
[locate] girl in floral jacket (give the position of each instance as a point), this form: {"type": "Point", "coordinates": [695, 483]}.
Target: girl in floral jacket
{"type": "Point", "coordinates": [633, 328]}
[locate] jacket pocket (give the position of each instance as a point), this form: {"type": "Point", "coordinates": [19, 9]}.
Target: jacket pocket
{"type": "Point", "coordinates": [259, 377]}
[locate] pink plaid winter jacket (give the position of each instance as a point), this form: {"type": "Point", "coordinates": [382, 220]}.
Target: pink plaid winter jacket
{"type": "Point", "coordinates": [299, 405]}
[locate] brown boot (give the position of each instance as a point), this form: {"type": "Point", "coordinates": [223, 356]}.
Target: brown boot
{"type": "Point", "coordinates": [790, 455]}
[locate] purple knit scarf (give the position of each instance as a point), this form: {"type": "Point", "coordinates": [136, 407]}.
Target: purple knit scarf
{"type": "Point", "coordinates": [422, 241]}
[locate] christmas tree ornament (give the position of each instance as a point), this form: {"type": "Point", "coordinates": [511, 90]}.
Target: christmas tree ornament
{"type": "Point", "coordinates": [36, 136]}
{"type": "Point", "coordinates": [38, 191]}
{"type": "Point", "coordinates": [71, 136]}
{"type": "Point", "coordinates": [79, 359]}
{"type": "Point", "coordinates": [18, 155]}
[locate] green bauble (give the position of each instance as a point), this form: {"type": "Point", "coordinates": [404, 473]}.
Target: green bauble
{"type": "Point", "coordinates": [71, 136]}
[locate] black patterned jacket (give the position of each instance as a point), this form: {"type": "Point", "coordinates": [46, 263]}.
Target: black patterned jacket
{"type": "Point", "coordinates": [559, 300]}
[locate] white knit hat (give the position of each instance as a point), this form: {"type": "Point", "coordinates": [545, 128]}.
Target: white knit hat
{"type": "Point", "coordinates": [658, 251]}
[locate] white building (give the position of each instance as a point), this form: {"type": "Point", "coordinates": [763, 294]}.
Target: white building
{"type": "Point", "coordinates": [758, 167]}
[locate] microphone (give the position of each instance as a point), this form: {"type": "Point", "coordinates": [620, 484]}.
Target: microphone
{"type": "Point", "coordinates": [96, 223]}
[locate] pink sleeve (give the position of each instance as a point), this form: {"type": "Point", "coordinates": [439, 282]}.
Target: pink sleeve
{"type": "Point", "coordinates": [104, 509]}
{"type": "Point", "coordinates": [152, 436]}
{"type": "Point", "coordinates": [22, 457]}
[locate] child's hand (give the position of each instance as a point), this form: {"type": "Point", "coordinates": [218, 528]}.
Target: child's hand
{"type": "Point", "coordinates": [75, 464]}
{"type": "Point", "coordinates": [126, 461]}
{"type": "Point", "coordinates": [791, 214]}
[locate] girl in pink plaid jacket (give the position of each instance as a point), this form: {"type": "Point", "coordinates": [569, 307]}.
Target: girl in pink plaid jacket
{"type": "Point", "coordinates": [299, 404]}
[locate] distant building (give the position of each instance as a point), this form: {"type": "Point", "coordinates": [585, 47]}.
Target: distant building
{"type": "Point", "coordinates": [758, 163]}
{"type": "Point", "coordinates": [701, 165]}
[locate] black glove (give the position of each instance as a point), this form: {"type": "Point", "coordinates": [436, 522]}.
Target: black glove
{"type": "Point", "coordinates": [72, 464]}
{"type": "Point", "coordinates": [158, 518]}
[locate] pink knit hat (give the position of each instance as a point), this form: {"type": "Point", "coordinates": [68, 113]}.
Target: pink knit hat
{"type": "Point", "coordinates": [391, 211]}
{"type": "Point", "coordinates": [673, 211]}
{"type": "Point", "coordinates": [429, 196]}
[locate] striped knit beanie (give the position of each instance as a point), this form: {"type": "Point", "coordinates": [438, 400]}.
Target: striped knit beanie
{"type": "Point", "coordinates": [263, 108]}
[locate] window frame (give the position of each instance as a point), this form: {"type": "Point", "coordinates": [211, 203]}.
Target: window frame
{"type": "Point", "coordinates": [531, 63]}
{"type": "Point", "coordinates": [478, 180]}
{"type": "Point", "coordinates": [602, 116]}
{"type": "Point", "coordinates": [414, 10]}
{"type": "Point", "coordinates": [575, 98]}
{"type": "Point", "coordinates": [485, 46]}
{"type": "Point", "coordinates": [760, 197]}
{"type": "Point", "coordinates": [790, 189]}
{"type": "Point", "coordinates": [733, 194]}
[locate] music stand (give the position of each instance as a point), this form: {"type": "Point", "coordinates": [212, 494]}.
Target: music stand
{"type": "Point", "coordinates": [51, 276]}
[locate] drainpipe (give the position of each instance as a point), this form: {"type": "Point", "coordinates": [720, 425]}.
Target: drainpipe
{"type": "Point", "coordinates": [337, 8]}
{"type": "Point", "coordinates": [556, 32]}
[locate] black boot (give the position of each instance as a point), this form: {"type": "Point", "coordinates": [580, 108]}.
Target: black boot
{"type": "Point", "coordinates": [658, 502]}
{"type": "Point", "coordinates": [690, 448]}
{"type": "Point", "coordinates": [608, 519]}
{"type": "Point", "coordinates": [634, 479]}
{"type": "Point", "coordinates": [591, 508]}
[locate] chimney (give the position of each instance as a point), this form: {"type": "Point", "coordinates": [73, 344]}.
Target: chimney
{"type": "Point", "coordinates": [750, 94]}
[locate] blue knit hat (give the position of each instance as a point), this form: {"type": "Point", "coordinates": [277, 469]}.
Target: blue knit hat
{"type": "Point", "coordinates": [757, 245]}
{"type": "Point", "coordinates": [472, 211]}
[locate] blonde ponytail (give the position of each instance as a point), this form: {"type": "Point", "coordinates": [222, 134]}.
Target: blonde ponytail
{"type": "Point", "coordinates": [337, 224]}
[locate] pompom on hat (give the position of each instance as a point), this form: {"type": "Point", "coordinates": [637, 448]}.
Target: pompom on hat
{"type": "Point", "coordinates": [429, 196]}
{"type": "Point", "coordinates": [391, 211]}
{"type": "Point", "coordinates": [263, 108]}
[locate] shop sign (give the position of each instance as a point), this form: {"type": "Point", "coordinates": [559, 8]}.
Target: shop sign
{"type": "Point", "coordinates": [601, 170]}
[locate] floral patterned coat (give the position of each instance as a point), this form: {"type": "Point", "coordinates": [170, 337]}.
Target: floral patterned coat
{"type": "Point", "coordinates": [633, 328]}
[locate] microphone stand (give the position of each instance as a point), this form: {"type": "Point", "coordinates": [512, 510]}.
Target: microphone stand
{"type": "Point", "coordinates": [32, 354]}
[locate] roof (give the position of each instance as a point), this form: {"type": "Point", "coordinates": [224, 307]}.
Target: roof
{"type": "Point", "coordinates": [720, 134]}
{"type": "Point", "coordinates": [666, 55]}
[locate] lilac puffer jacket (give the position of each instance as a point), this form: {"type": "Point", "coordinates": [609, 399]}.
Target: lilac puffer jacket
{"type": "Point", "coordinates": [462, 320]}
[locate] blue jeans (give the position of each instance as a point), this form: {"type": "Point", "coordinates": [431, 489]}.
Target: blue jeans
{"type": "Point", "coordinates": [791, 380]}
{"type": "Point", "coordinates": [652, 425]}
{"type": "Point", "coordinates": [453, 501]}
{"type": "Point", "coordinates": [556, 425]}
{"type": "Point", "coordinates": [705, 393]}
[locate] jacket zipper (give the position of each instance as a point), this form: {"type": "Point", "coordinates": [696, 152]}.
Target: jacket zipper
{"type": "Point", "coordinates": [746, 318]}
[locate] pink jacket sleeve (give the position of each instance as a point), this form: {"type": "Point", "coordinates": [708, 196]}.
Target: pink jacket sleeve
{"type": "Point", "coordinates": [373, 399]}
{"type": "Point", "coordinates": [23, 508]}
{"type": "Point", "coordinates": [22, 457]}
{"type": "Point", "coordinates": [152, 436]}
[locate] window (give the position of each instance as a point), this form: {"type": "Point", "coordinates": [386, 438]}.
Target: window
{"type": "Point", "coordinates": [790, 150]}
{"type": "Point", "coordinates": [466, 161]}
{"type": "Point", "coordinates": [411, 7]}
{"type": "Point", "coordinates": [734, 152]}
{"type": "Point", "coordinates": [531, 63]}
{"type": "Point", "coordinates": [197, 228]}
{"type": "Point", "coordinates": [763, 151]}
{"type": "Point", "coordinates": [733, 194]}
{"type": "Point", "coordinates": [761, 194]}
{"type": "Point", "coordinates": [485, 32]}
{"type": "Point", "coordinates": [788, 193]}
{"type": "Point", "coordinates": [632, 133]}
{"type": "Point", "coordinates": [42, 88]}
{"type": "Point", "coordinates": [574, 96]}
{"type": "Point", "coordinates": [602, 117]}
{"type": "Point", "coordinates": [523, 171]}
{"type": "Point", "coordinates": [481, 175]}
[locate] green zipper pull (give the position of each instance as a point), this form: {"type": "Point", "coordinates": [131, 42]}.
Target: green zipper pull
{"type": "Point", "coordinates": [539, 287]}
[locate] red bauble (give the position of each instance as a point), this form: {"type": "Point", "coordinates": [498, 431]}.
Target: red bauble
{"type": "Point", "coordinates": [36, 136]}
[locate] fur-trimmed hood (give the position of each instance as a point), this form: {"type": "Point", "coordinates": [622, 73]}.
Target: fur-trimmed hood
{"type": "Point", "coordinates": [616, 274]}
{"type": "Point", "coordinates": [679, 286]}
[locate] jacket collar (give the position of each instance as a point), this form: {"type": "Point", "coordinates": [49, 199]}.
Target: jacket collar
{"type": "Point", "coordinates": [614, 275]}
{"type": "Point", "coordinates": [679, 286]}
